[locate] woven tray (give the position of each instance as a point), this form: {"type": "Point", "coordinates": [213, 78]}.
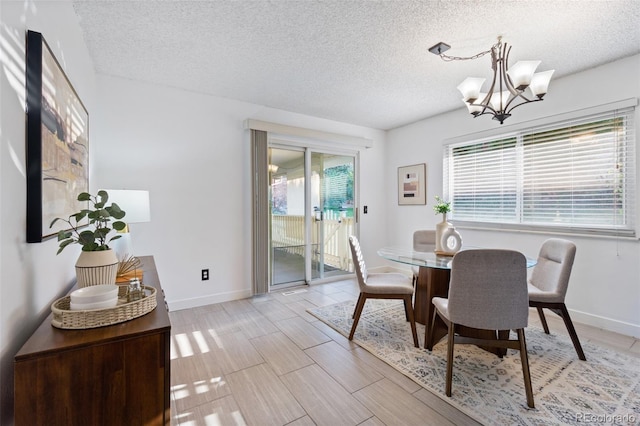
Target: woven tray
{"type": "Point", "coordinates": [64, 317]}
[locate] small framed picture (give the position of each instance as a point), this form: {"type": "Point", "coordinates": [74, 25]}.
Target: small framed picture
{"type": "Point", "coordinates": [412, 184]}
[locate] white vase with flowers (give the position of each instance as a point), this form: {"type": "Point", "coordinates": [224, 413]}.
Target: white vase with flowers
{"type": "Point", "coordinates": [448, 240]}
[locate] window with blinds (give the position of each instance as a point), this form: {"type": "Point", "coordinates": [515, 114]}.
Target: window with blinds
{"type": "Point", "coordinates": [572, 176]}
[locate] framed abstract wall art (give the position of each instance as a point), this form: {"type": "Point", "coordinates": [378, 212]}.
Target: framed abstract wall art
{"type": "Point", "coordinates": [412, 184]}
{"type": "Point", "coordinates": [57, 157]}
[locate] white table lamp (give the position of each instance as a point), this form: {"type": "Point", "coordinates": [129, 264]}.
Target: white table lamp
{"type": "Point", "coordinates": [136, 205]}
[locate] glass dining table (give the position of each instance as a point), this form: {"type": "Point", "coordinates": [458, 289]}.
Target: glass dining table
{"type": "Point", "coordinates": [433, 281]}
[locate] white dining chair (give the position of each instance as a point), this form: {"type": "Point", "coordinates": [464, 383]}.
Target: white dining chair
{"type": "Point", "coordinates": [380, 286]}
{"type": "Point", "coordinates": [487, 291]}
{"type": "Point", "coordinates": [549, 282]}
{"type": "Point", "coordinates": [424, 240]}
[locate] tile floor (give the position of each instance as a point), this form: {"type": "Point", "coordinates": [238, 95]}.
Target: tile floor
{"type": "Point", "coordinates": [266, 361]}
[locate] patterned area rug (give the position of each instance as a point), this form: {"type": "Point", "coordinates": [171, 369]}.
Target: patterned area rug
{"type": "Point", "coordinates": [603, 390]}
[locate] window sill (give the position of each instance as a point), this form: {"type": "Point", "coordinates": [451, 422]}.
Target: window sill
{"type": "Point", "coordinates": [561, 231]}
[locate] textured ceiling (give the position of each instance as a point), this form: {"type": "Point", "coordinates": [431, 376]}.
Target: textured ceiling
{"type": "Point", "coordinates": [355, 61]}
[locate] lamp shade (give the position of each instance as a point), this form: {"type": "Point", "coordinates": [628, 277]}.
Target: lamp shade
{"type": "Point", "coordinates": [474, 108]}
{"type": "Point", "coordinates": [521, 73]}
{"type": "Point", "coordinates": [499, 100]}
{"type": "Point", "coordinates": [470, 88]}
{"type": "Point", "coordinates": [540, 83]}
{"type": "Point", "coordinates": [135, 204]}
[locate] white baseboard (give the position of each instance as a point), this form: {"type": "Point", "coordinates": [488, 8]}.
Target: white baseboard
{"type": "Point", "coordinates": [404, 271]}
{"type": "Point", "coordinates": [177, 305]}
{"type": "Point", "coordinates": [622, 327]}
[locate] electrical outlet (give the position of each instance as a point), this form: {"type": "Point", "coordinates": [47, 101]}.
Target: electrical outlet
{"type": "Point", "coordinates": [205, 274]}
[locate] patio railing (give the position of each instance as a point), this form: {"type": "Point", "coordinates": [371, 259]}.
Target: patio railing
{"type": "Point", "coordinates": [287, 233]}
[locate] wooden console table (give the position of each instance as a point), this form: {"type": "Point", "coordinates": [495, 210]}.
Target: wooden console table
{"type": "Point", "coordinates": [113, 375]}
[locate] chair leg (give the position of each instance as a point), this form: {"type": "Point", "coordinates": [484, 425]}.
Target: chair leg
{"type": "Point", "coordinates": [428, 331]}
{"type": "Point", "coordinates": [502, 335]}
{"type": "Point", "coordinates": [450, 343]}
{"type": "Point", "coordinates": [412, 320]}
{"type": "Point", "coordinates": [564, 313]}
{"type": "Point", "coordinates": [356, 315]}
{"type": "Point", "coordinates": [356, 308]}
{"type": "Point", "coordinates": [406, 307]}
{"type": "Point", "coordinates": [524, 358]}
{"type": "Point", "coordinates": [543, 320]}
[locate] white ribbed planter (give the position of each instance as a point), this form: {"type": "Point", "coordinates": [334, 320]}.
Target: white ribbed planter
{"type": "Point", "coordinates": [96, 267]}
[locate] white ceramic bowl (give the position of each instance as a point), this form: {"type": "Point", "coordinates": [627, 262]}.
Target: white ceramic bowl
{"type": "Point", "coordinates": [110, 303]}
{"type": "Point", "coordinates": [95, 294]}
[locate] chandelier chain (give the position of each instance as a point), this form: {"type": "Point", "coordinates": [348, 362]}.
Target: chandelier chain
{"type": "Point", "coordinates": [448, 58]}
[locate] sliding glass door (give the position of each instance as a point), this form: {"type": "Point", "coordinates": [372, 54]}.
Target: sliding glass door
{"type": "Point", "coordinates": [312, 200]}
{"type": "Point", "coordinates": [332, 200]}
{"type": "Point", "coordinates": [287, 200]}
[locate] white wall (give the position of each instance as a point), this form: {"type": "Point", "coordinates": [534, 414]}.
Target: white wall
{"type": "Point", "coordinates": [192, 153]}
{"type": "Point", "coordinates": [31, 276]}
{"type": "Point", "coordinates": [605, 284]}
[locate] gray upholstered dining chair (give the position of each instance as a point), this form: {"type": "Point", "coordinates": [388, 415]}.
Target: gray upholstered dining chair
{"type": "Point", "coordinates": [549, 282]}
{"type": "Point", "coordinates": [424, 240]}
{"type": "Point", "coordinates": [380, 286]}
{"type": "Point", "coordinates": [487, 291]}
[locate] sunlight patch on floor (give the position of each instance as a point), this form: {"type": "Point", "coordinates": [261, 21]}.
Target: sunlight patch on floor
{"type": "Point", "coordinates": [200, 340]}
{"type": "Point", "coordinates": [183, 345]}
{"type": "Point", "coordinates": [198, 387]}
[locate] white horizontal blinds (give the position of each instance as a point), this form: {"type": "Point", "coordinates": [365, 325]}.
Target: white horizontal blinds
{"type": "Point", "coordinates": [484, 178]}
{"type": "Point", "coordinates": [580, 174]}
{"type": "Point", "coordinates": [577, 175]}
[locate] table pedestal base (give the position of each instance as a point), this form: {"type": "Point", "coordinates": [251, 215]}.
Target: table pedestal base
{"type": "Point", "coordinates": [434, 282]}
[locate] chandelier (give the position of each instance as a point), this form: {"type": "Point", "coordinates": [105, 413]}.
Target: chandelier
{"type": "Point", "coordinates": [508, 87]}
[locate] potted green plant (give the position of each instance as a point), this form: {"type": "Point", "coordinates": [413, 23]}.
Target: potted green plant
{"type": "Point", "coordinates": [98, 263]}
{"type": "Point", "coordinates": [442, 207]}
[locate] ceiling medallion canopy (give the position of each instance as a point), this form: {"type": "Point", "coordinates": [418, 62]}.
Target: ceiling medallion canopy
{"type": "Point", "coordinates": [509, 86]}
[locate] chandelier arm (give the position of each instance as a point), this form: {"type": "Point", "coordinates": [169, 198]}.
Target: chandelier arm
{"type": "Point", "coordinates": [507, 78]}
{"type": "Point", "coordinates": [487, 98]}
{"type": "Point", "coordinates": [522, 103]}
{"type": "Point", "coordinates": [486, 110]}
{"type": "Point", "coordinates": [502, 64]}
{"type": "Point", "coordinates": [527, 100]}
{"type": "Point", "coordinates": [486, 101]}
{"type": "Point", "coordinates": [518, 94]}
{"type": "Point", "coordinates": [493, 113]}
